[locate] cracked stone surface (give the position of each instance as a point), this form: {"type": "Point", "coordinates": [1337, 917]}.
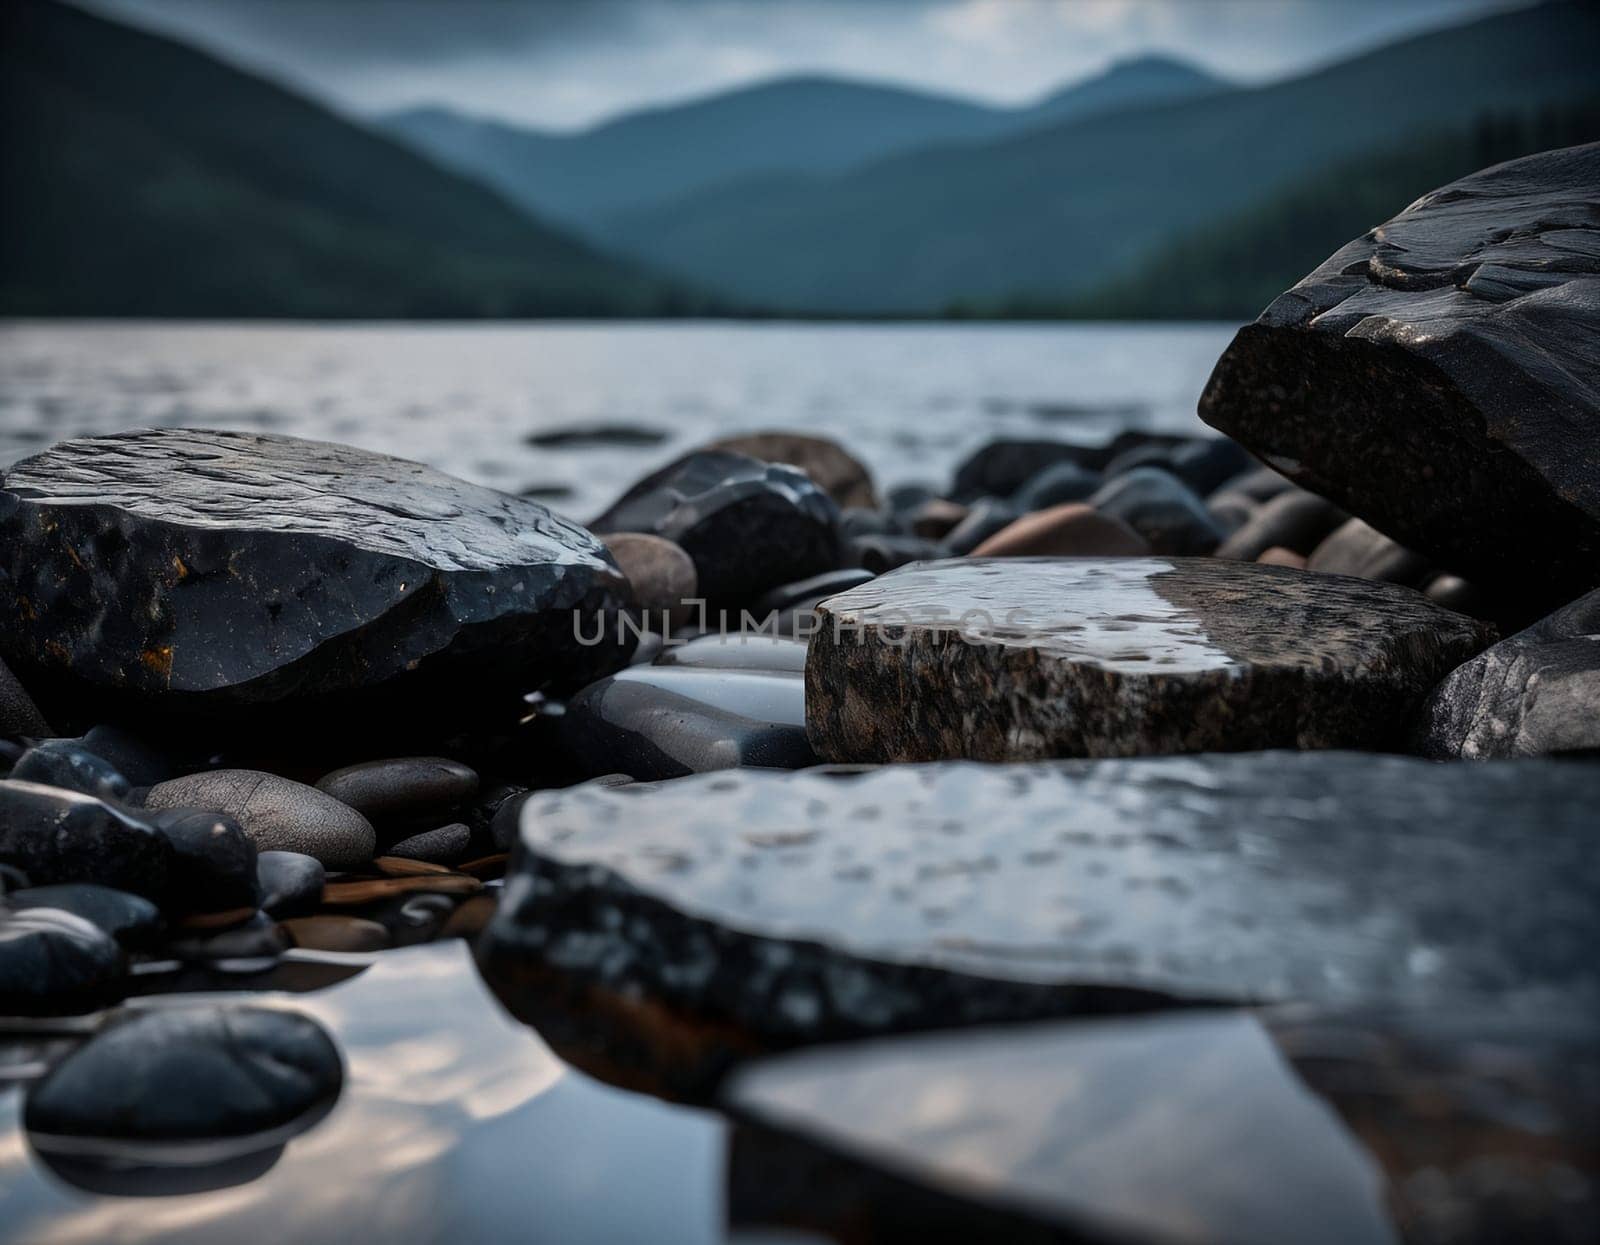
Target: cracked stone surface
{"type": "Point", "coordinates": [1536, 692]}
{"type": "Point", "coordinates": [758, 910]}
{"type": "Point", "coordinates": [218, 573]}
{"type": "Point", "coordinates": [1120, 657]}
{"type": "Point", "coordinates": [1440, 376]}
{"type": "Point", "coordinates": [1203, 1126]}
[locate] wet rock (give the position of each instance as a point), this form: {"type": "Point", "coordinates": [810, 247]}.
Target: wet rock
{"type": "Point", "coordinates": [131, 919]}
{"type": "Point", "coordinates": [877, 554]}
{"type": "Point", "coordinates": [662, 721]}
{"type": "Point", "coordinates": [1015, 659]}
{"type": "Point", "coordinates": [336, 933]}
{"type": "Point", "coordinates": [936, 518]}
{"type": "Point", "coordinates": [443, 846]}
{"type": "Point", "coordinates": [401, 788]}
{"type": "Point", "coordinates": [986, 517]}
{"type": "Point", "coordinates": [660, 573]}
{"type": "Point", "coordinates": [1058, 483]}
{"type": "Point", "coordinates": [978, 893]}
{"type": "Point", "coordinates": [830, 466]}
{"type": "Point", "coordinates": [185, 1075]}
{"type": "Point", "coordinates": [1000, 468]}
{"type": "Point", "coordinates": [1071, 530]}
{"type": "Point", "coordinates": [276, 813]}
{"type": "Point", "coordinates": [52, 961]}
{"type": "Point", "coordinates": [806, 592]}
{"type": "Point", "coordinates": [1437, 376]}
{"type": "Point", "coordinates": [1536, 692]}
{"type": "Point", "coordinates": [1162, 509]}
{"type": "Point", "coordinates": [214, 865]}
{"type": "Point", "coordinates": [1279, 556]}
{"type": "Point", "coordinates": [758, 652]}
{"type": "Point", "coordinates": [53, 836]}
{"type": "Point", "coordinates": [67, 764]}
{"type": "Point", "coordinates": [1294, 519]}
{"type": "Point", "coordinates": [291, 882]}
{"type": "Point", "coordinates": [1356, 548]}
{"type": "Point", "coordinates": [183, 571]}
{"type": "Point", "coordinates": [19, 716]}
{"type": "Point", "coordinates": [748, 525]}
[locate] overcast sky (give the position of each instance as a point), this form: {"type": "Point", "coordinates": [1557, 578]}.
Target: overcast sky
{"type": "Point", "coordinates": [565, 63]}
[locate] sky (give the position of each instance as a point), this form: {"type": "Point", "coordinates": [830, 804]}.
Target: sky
{"type": "Point", "coordinates": [563, 64]}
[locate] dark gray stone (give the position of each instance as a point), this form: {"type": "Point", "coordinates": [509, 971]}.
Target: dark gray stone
{"type": "Point", "coordinates": [185, 1075]}
{"type": "Point", "coordinates": [276, 813]}
{"type": "Point", "coordinates": [1000, 468]}
{"type": "Point", "coordinates": [232, 574]}
{"type": "Point", "coordinates": [986, 517]}
{"type": "Point", "coordinates": [1534, 693]}
{"type": "Point", "coordinates": [507, 818]}
{"type": "Point", "coordinates": [53, 836]}
{"type": "Point", "coordinates": [291, 883]}
{"type": "Point", "coordinates": [131, 919]}
{"type": "Point", "coordinates": [1356, 548]}
{"type": "Point", "coordinates": [401, 788]}
{"type": "Point", "coordinates": [1162, 509]}
{"type": "Point", "coordinates": [587, 436]}
{"type": "Point", "coordinates": [1293, 519]}
{"type": "Point", "coordinates": [663, 721]}
{"type": "Point", "coordinates": [1120, 657]}
{"type": "Point", "coordinates": [52, 961]}
{"type": "Point", "coordinates": [19, 716]}
{"type": "Point", "coordinates": [444, 846]}
{"type": "Point", "coordinates": [753, 651]}
{"type": "Point", "coordinates": [757, 909]}
{"type": "Point", "coordinates": [802, 591]}
{"type": "Point", "coordinates": [133, 758]}
{"type": "Point", "coordinates": [748, 525]}
{"type": "Point", "coordinates": [830, 466]}
{"type": "Point", "coordinates": [214, 865]}
{"type": "Point", "coordinates": [66, 763]}
{"type": "Point", "coordinates": [876, 554]}
{"type": "Point", "coordinates": [252, 945]}
{"type": "Point", "coordinates": [1440, 376]}
{"type": "Point", "coordinates": [1205, 464]}
{"type": "Point", "coordinates": [1060, 482]}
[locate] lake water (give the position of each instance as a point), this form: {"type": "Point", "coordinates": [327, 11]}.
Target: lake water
{"type": "Point", "coordinates": [910, 400]}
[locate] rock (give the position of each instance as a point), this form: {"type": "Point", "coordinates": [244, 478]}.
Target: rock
{"type": "Point", "coordinates": [130, 756]}
{"type": "Point", "coordinates": [291, 882]}
{"type": "Point", "coordinates": [661, 574]}
{"type": "Point", "coordinates": [469, 920]}
{"type": "Point", "coordinates": [402, 867]}
{"type": "Point", "coordinates": [53, 836]}
{"type": "Point", "coordinates": [902, 499]}
{"type": "Point", "coordinates": [1357, 549]}
{"type": "Point", "coordinates": [369, 890]}
{"type": "Point", "coordinates": [1537, 692]}
{"type": "Point", "coordinates": [662, 721]}
{"type": "Point", "coordinates": [756, 651]}
{"type": "Point", "coordinates": [854, 521]}
{"type": "Point", "coordinates": [586, 436]}
{"type": "Point", "coordinates": [806, 592]}
{"type": "Point", "coordinates": [1438, 377]}
{"type": "Point", "coordinates": [413, 919]}
{"type": "Point", "coordinates": [708, 910]}
{"type": "Point", "coordinates": [1060, 482]}
{"type": "Point", "coordinates": [936, 518]}
{"type": "Point", "coordinates": [52, 961]}
{"type": "Point", "coordinates": [1279, 556]}
{"type": "Point", "coordinates": [876, 554]}
{"type": "Point", "coordinates": [830, 467]}
{"type": "Point", "coordinates": [487, 868]}
{"type": "Point", "coordinates": [336, 933]}
{"type": "Point", "coordinates": [214, 866]}
{"type": "Point", "coordinates": [1294, 519]}
{"type": "Point", "coordinates": [1350, 1126]}
{"type": "Point", "coordinates": [443, 846]}
{"type": "Point", "coordinates": [183, 1075]}
{"type": "Point", "coordinates": [276, 813]}
{"type": "Point", "coordinates": [986, 517]}
{"type": "Point", "coordinates": [403, 789]}
{"type": "Point", "coordinates": [19, 716]}
{"type": "Point", "coordinates": [249, 944]}
{"type": "Point", "coordinates": [1455, 593]}
{"type": "Point", "coordinates": [1000, 468]}
{"type": "Point", "coordinates": [1016, 659]}
{"type": "Point", "coordinates": [503, 827]}
{"type": "Point", "coordinates": [183, 571]}
{"type": "Point", "coordinates": [747, 525]}
{"type": "Point", "coordinates": [131, 919]}
{"type": "Point", "coordinates": [1231, 512]}
{"type": "Point", "coordinates": [1259, 485]}
{"type": "Point", "coordinates": [1162, 509]}
{"type": "Point", "coordinates": [1069, 531]}
{"type": "Point", "coordinates": [1205, 464]}
{"type": "Point", "coordinates": [67, 764]}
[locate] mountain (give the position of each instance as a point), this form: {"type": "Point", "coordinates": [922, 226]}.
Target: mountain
{"type": "Point", "coordinates": [810, 125]}
{"type": "Point", "coordinates": [141, 177]}
{"type": "Point", "coordinates": [1053, 212]}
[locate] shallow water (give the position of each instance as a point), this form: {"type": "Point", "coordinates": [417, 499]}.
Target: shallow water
{"type": "Point", "coordinates": [908, 399]}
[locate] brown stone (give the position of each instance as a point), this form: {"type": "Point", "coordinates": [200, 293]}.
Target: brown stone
{"type": "Point", "coordinates": [661, 573]}
{"type": "Point", "coordinates": [369, 890]}
{"type": "Point", "coordinates": [1069, 530]}
{"type": "Point", "coordinates": [493, 866]}
{"type": "Point", "coordinates": [216, 920]}
{"type": "Point", "coordinates": [336, 933]}
{"type": "Point", "coordinates": [1279, 556]}
{"type": "Point", "coordinates": [1356, 548]}
{"type": "Point", "coordinates": [405, 867]}
{"type": "Point", "coordinates": [833, 469]}
{"type": "Point", "coordinates": [469, 919]}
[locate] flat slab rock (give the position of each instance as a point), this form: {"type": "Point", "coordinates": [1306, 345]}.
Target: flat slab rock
{"type": "Point", "coordinates": [1440, 376]}
{"type": "Point", "coordinates": [778, 909]}
{"type": "Point", "coordinates": [224, 573]}
{"type": "Point", "coordinates": [1018, 659]}
{"type": "Point", "coordinates": [1200, 1126]}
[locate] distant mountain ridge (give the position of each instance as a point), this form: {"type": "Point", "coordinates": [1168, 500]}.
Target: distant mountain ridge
{"type": "Point", "coordinates": [140, 176]}
{"type": "Point", "coordinates": [808, 124]}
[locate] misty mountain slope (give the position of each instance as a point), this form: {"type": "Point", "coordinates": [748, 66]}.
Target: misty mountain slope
{"type": "Point", "coordinates": [815, 125]}
{"type": "Point", "coordinates": [139, 175]}
{"type": "Point", "coordinates": [1052, 213]}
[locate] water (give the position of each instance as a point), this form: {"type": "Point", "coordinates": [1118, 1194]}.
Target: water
{"type": "Point", "coordinates": [910, 400]}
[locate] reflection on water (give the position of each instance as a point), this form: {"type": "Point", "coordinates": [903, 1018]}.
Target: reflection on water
{"type": "Point", "coordinates": [908, 399]}
{"type": "Point", "coordinates": [455, 1124]}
